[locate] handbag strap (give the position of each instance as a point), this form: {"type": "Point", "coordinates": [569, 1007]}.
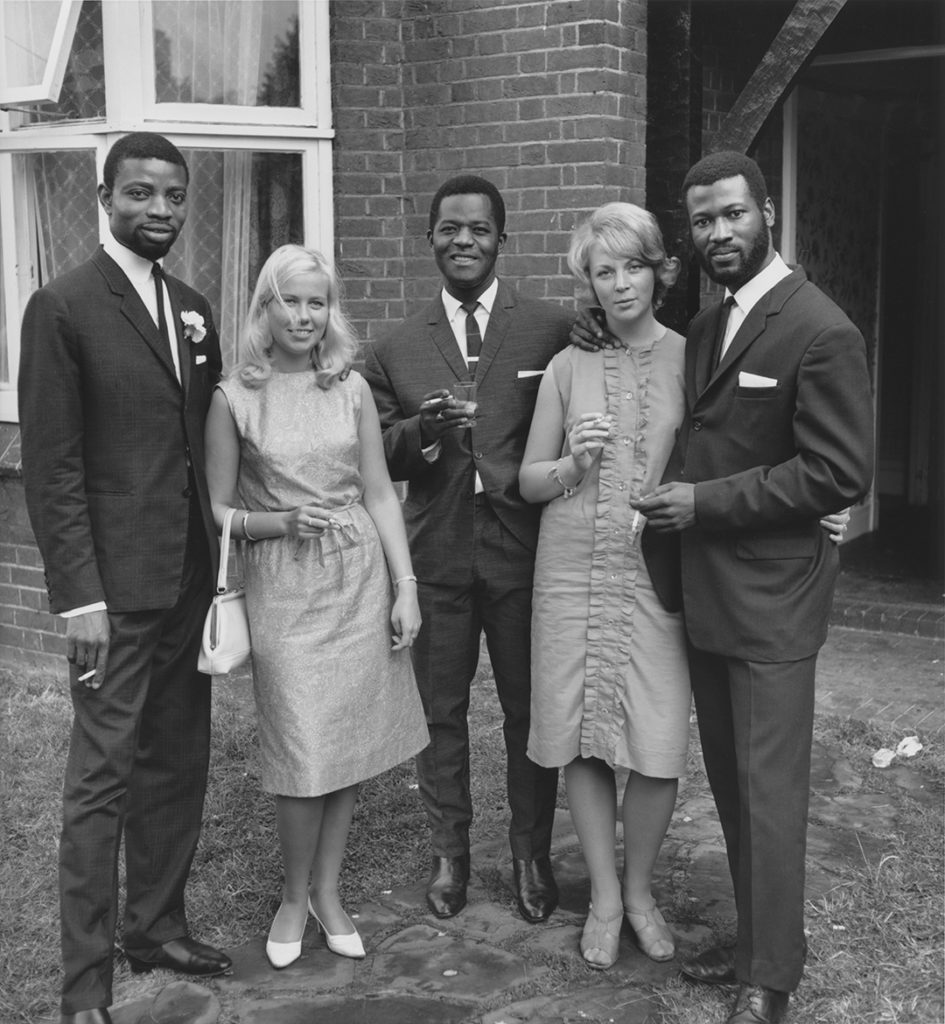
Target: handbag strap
{"type": "Point", "coordinates": [225, 550]}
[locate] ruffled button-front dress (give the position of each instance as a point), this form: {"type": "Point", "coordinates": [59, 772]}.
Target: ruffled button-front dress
{"type": "Point", "coordinates": [609, 673]}
{"type": "Point", "coordinates": [334, 704]}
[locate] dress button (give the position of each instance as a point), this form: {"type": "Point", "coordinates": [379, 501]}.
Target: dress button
{"type": "Point", "coordinates": [697, 424]}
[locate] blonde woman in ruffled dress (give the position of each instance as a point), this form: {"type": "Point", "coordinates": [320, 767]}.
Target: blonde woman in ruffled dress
{"type": "Point", "coordinates": [610, 682]}
{"type": "Point", "coordinates": [294, 444]}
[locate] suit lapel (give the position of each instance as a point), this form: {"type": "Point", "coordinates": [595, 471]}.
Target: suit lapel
{"type": "Point", "coordinates": [445, 340]}
{"type": "Point", "coordinates": [500, 319]}
{"type": "Point", "coordinates": [770, 304]}
{"type": "Point", "coordinates": [134, 310]}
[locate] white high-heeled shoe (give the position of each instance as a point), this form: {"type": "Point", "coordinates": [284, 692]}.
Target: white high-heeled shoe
{"type": "Point", "coordinates": [344, 945]}
{"type": "Point", "coordinates": [281, 954]}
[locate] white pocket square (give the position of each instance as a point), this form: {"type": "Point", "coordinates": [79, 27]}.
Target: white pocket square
{"type": "Point", "coordinates": [529, 373]}
{"type": "Point", "coordinates": [200, 359]}
{"type": "Point", "coordinates": [755, 380]}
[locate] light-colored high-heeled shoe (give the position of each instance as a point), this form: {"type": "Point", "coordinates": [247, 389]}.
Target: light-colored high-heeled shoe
{"type": "Point", "coordinates": [281, 954]}
{"type": "Point", "coordinates": [653, 935]}
{"type": "Point", "coordinates": [599, 933]}
{"type": "Point", "coordinates": [344, 945]}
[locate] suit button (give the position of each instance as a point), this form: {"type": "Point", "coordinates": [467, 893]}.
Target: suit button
{"type": "Point", "coordinates": [477, 455]}
{"type": "Point", "coordinates": [186, 492]}
{"type": "Point", "coordinates": [697, 424]}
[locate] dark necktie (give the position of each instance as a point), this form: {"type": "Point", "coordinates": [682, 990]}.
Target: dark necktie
{"type": "Point", "coordinates": [473, 337]}
{"type": "Point", "coordinates": [720, 333]}
{"type": "Point", "coordinates": [158, 274]}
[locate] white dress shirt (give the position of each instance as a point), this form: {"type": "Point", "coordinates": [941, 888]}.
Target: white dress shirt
{"type": "Point", "coordinates": [749, 294]}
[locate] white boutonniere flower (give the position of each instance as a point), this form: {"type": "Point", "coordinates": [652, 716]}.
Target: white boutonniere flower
{"type": "Point", "coordinates": [194, 327]}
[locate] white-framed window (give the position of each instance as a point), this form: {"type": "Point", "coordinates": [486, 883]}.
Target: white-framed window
{"type": "Point", "coordinates": [240, 86]}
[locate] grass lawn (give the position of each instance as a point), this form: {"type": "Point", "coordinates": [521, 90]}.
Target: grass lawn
{"type": "Point", "coordinates": [875, 938]}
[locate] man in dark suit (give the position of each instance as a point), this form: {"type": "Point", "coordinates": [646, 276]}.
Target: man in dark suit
{"type": "Point", "coordinates": [472, 537]}
{"type": "Point", "coordinates": [118, 363]}
{"type": "Point", "coordinates": [778, 431]}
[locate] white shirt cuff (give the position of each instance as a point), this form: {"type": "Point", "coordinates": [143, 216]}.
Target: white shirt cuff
{"type": "Point", "coordinates": [99, 606]}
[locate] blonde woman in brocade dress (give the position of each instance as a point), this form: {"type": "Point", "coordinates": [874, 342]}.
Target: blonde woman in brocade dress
{"type": "Point", "coordinates": [293, 442]}
{"type": "Point", "coordinates": [610, 683]}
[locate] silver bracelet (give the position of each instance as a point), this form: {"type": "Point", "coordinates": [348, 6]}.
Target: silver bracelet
{"type": "Point", "coordinates": [246, 534]}
{"type": "Point", "coordinates": [405, 579]}
{"type": "Point", "coordinates": [554, 475]}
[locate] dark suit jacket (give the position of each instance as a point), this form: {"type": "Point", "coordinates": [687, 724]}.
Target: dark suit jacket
{"type": "Point", "coordinates": [758, 572]}
{"type": "Point", "coordinates": [421, 355]}
{"type": "Point", "coordinates": [107, 434]}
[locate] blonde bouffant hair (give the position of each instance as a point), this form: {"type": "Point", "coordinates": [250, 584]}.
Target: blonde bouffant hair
{"type": "Point", "coordinates": [624, 231]}
{"type": "Point", "coordinates": [332, 356]}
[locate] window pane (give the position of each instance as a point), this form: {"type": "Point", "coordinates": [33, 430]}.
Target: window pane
{"type": "Point", "coordinates": [83, 87]}
{"type": "Point", "coordinates": [28, 34]}
{"type": "Point", "coordinates": [241, 205]}
{"type": "Point", "coordinates": [57, 222]}
{"type": "Point", "coordinates": [61, 210]}
{"type": "Point", "coordinates": [241, 53]}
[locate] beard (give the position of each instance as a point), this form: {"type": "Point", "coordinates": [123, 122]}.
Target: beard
{"type": "Point", "coordinates": [751, 261]}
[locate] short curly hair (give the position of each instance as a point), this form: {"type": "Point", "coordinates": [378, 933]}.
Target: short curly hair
{"type": "Point", "coordinates": [141, 146]}
{"type": "Point", "coordinates": [727, 163]}
{"type": "Point", "coordinates": [469, 185]}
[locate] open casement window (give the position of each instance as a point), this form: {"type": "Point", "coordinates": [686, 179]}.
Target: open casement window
{"type": "Point", "coordinates": [37, 39]}
{"type": "Point", "coordinates": [240, 86]}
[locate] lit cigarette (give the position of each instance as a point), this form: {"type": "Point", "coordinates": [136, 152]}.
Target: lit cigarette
{"type": "Point", "coordinates": [634, 526]}
{"type": "Point", "coordinates": [86, 675]}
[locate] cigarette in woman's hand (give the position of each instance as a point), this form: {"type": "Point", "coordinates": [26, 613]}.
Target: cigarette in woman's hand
{"type": "Point", "coordinates": [86, 675]}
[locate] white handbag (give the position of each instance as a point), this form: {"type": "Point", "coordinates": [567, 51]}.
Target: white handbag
{"type": "Point", "coordinates": [225, 644]}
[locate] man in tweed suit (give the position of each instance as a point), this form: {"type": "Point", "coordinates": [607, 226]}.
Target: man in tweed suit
{"type": "Point", "coordinates": [472, 536]}
{"type": "Point", "coordinates": [117, 369]}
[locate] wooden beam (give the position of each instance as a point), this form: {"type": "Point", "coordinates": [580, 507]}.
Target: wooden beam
{"type": "Point", "coordinates": [791, 47]}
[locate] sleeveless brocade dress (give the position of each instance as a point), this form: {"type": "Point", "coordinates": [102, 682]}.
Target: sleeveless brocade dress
{"type": "Point", "coordinates": [335, 705]}
{"type": "Point", "coordinates": [610, 678]}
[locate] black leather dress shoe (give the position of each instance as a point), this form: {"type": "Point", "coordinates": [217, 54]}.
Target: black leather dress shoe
{"type": "Point", "coordinates": [713, 967]}
{"type": "Point", "coordinates": [535, 889]}
{"type": "Point", "coordinates": [97, 1016]}
{"type": "Point", "coordinates": [755, 1004]}
{"type": "Point", "coordinates": [446, 890]}
{"type": "Point", "coordinates": [186, 955]}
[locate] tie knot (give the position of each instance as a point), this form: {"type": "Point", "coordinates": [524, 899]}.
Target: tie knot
{"type": "Point", "coordinates": [469, 307]}
{"type": "Point", "coordinates": [157, 270]}
{"type": "Point", "coordinates": [729, 302]}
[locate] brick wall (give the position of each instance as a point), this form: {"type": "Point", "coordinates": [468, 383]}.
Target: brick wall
{"type": "Point", "coordinates": [547, 100]}
{"type": "Point", "coordinates": [29, 635]}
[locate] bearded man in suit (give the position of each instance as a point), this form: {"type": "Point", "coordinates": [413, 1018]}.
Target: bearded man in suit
{"type": "Point", "coordinates": [778, 431]}
{"type": "Point", "coordinates": [117, 369]}
{"type": "Point", "coordinates": [472, 537]}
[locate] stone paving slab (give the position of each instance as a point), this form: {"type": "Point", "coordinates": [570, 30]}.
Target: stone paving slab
{"type": "Point", "coordinates": [896, 682]}
{"type": "Point", "coordinates": [599, 1005]}
{"type": "Point", "coordinates": [488, 966]}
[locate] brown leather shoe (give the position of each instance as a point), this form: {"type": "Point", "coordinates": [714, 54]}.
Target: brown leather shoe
{"type": "Point", "coordinates": [756, 1004]}
{"type": "Point", "coordinates": [446, 890]}
{"type": "Point", "coordinates": [536, 891]}
{"type": "Point", "coordinates": [96, 1016]}
{"type": "Point", "coordinates": [186, 955]}
{"type": "Point", "coordinates": [713, 967]}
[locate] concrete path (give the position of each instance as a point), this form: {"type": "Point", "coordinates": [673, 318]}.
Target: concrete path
{"type": "Point", "coordinates": [488, 966]}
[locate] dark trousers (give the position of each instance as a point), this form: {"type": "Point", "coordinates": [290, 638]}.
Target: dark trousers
{"type": "Point", "coordinates": [137, 764]}
{"type": "Point", "coordinates": [755, 723]}
{"type": "Point", "coordinates": [494, 598]}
